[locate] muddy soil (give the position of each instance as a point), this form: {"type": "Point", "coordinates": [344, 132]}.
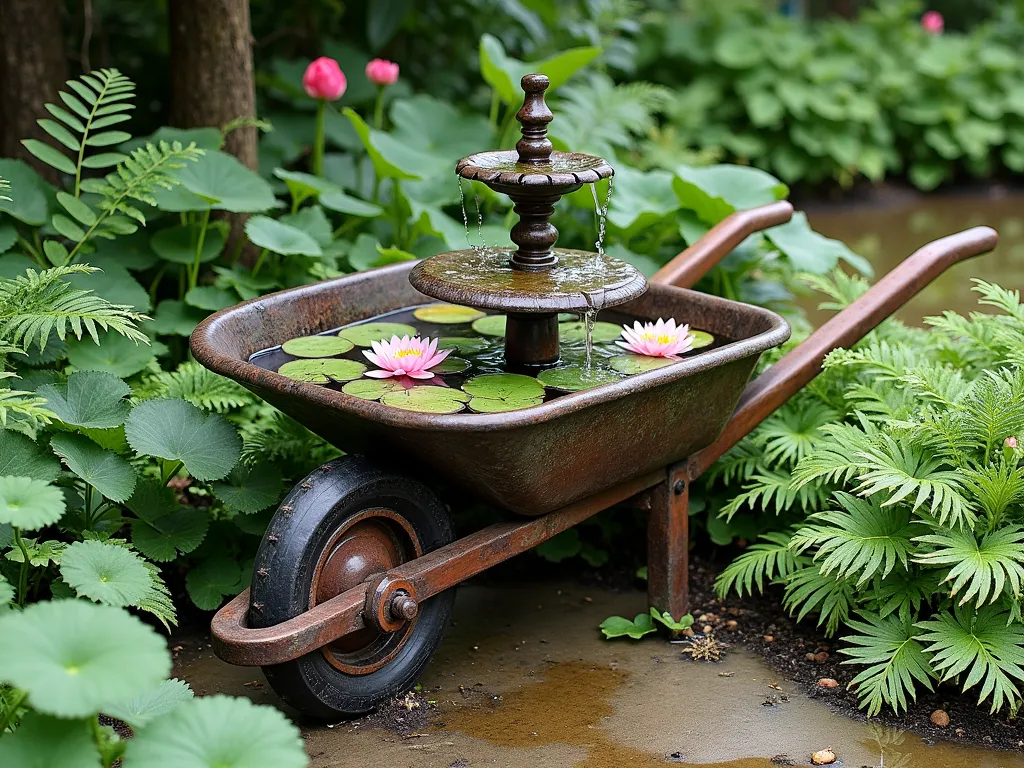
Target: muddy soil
{"type": "Point", "coordinates": [524, 678]}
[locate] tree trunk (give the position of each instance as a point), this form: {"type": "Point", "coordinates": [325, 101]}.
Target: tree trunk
{"type": "Point", "coordinates": [211, 69]}
{"type": "Point", "coordinates": [32, 71]}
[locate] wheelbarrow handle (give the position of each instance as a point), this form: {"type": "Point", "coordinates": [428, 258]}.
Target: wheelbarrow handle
{"type": "Point", "coordinates": [692, 264]}
{"type": "Point", "coordinates": [801, 364]}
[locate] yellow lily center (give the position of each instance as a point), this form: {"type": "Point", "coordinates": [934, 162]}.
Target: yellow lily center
{"type": "Point", "coordinates": [407, 352]}
{"type": "Point", "coordinates": [663, 338]}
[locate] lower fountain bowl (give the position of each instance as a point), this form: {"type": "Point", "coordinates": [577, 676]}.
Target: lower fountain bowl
{"type": "Point", "coordinates": [529, 461]}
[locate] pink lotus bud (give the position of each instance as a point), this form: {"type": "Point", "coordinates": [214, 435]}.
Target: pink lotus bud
{"type": "Point", "coordinates": [382, 72]}
{"type": "Point", "coordinates": [933, 23]}
{"type": "Point", "coordinates": [324, 79]}
{"type": "Point", "coordinates": [1010, 442]}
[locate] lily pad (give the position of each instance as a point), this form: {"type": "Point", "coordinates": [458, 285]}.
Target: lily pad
{"type": "Point", "coordinates": [366, 333]}
{"type": "Point", "coordinates": [451, 365]}
{"type": "Point", "coordinates": [491, 405]}
{"type": "Point", "coordinates": [464, 344]}
{"type": "Point", "coordinates": [110, 656]}
{"type": "Point", "coordinates": [317, 346]}
{"type": "Point", "coordinates": [504, 386]}
{"type": "Point", "coordinates": [447, 314]}
{"type": "Point", "coordinates": [427, 400]}
{"type": "Point", "coordinates": [105, 573]}
{"type": "Point", "coordinates": [29, 504]}
{"type": "Point", "coordinates": [574, 378]}
{"type": "Point", "coordinates": [372, 389]}
{"type": "Point", "coordinates": [577, 331]}
{"type": "Point", "coordinates": [633, 364]}
{"type": "Point", "coordinates": [322, 371]}
{"type": "Point", "coordinates": [490, 325]}
{"type": "Point", "coordinates": [701, 339]}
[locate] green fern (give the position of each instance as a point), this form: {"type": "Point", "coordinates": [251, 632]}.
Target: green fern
{"type": "Point", "coordinates": [807, 589]}
{"type": "Point", "coordinates": [981, 646]}
{"type": "Point", "coordinates": [788, 435]}
{"type": "Point", "coordinates": [842, 288]}
{"type": "Point", "coordinates": [4, 186]}
{"type": "Point", "coordinates": [836, 460]}
{"type": "Point", "coordinates": [861, 538]}
{"type": "Point", "coordinates": [36, 304]}
{"type": "Point", "coordinates": [981, 570]}
{"type": "Point", "coordinates": [775, 491]}
{"type": "Point", "coordinates": [23, 411]}
{"type": "Point", "coordinates": [199, 386]}
{"type": "Point", "coordinates": [770, 559]}
{"type": "Point", "coordinates": [895, 662]}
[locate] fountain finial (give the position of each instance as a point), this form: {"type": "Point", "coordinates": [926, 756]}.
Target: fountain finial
{"type": "Point", "coordinates": [535, 146]}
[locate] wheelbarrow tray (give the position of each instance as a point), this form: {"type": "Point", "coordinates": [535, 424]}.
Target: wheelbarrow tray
{"type": "Point", "coordinates": [529, 461]}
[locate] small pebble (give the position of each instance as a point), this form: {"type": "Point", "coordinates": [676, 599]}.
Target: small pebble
{"type": "Point", "coordinates": [940, 718]}
{"type": "Point", "coordinates": [961, 732]}
{"type": "Point", "coordinates": [828, 682]}
{"type": "Point", "coordinates": [707, 629]}
{"type": "Point", "coordinates": [688, 632]}
{"type": "Point", "coordinates": [824, 757]}
{"type": "Point", "coordinates": [731, 624]}
{"type": "Point", "coordinates": [819, 658]}
{"type": "Point", "coordinates": [768, 638]}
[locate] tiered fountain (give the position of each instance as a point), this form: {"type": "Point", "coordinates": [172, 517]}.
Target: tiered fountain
{"type": "Point", "coordinates": [535, 282]}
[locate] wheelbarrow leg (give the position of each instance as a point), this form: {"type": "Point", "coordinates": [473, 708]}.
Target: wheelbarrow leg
{"type": "Point", "coordinates": [668, 544]}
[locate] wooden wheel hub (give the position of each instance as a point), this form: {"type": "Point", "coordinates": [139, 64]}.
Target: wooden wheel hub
{"type": "Point", "coordinates": [371, 542]}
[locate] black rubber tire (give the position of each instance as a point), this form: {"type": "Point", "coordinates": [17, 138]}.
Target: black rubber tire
{"type": "Point", "coordinates": [319, 506]}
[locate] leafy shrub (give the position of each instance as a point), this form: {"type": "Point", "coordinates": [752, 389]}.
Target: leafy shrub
{"type": "Point", "coordinates": [898, 476]}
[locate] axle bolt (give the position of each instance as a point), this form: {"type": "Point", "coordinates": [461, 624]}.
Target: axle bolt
{"type": "Point", "coordinates": [403, 606]}
{"type": "Point", "coordinates": [679, 487]}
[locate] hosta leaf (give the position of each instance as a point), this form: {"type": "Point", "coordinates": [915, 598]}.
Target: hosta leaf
{"type": "Point", "coordinates": [344, 203]}
{"type": "Point", "coordinates": [179, 244]}
{"type": "Point", "coordinates": [217, 181]}
{"type": "Point", "coordinates": [49, 742]}
{"type": "Point", "coordinates": [148, 706]}
{"type": "Point", "coordinates": [105, 573]}
{"type": "Point", "coordinates": [617, 626]}
{"type": "Point", "coordinates": [211, 580]}
{"type": "Point", "coordinates": [21, 457]}
{"type": "Point", "coordinates": [218, 732]}
{"type": "Point", "coordinates": [209, 298]}
{"type": "Point", "coordinates": [250, 488]}
{"type": "Point", "coordinates": [164, 527]}
{"type": "Point", "coordinates": [29, 504]}
{"type": "Point", "coordinates": [314, 222]}
{"type": "Point", "coordinates": [716, 191]}
{"type": "Point", "coordinates": [88, 399]}
{"type": "Point", "coordinates": [104, 470]}
{"type": "Point", "coordinates": [268, 233]}
{"type": "Point", "coordinates": [110, 656]}
{"type": "Point", "coordinates": [176, 430]}
{"type": "Point", "coordinates": [175, 318]}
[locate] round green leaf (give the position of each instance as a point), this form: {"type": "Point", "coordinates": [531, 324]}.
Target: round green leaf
{"type": "Point", "coordinates": [211, 580]}
{"type": "Point", "coordinates": [464, 344]}
{"type": "Point", "coordinates": [176, 430]}
{"type": "Point", "coordinates": [451, 365]}
{"type": "Point", "coordinates": [218, 180]}
{"type": "Point", "coordinates": [210, 298]}
{"type": "Point", "coordinates": [364, 334]}
{"type": "Point", "coordinates": [633, 364]}
{"type": "Point", "coordinates": [218, 732]}
{"type": "Point", "coordinates": [29, 504]}
{"type": "Point", "coordinates": [701, 339]}
{"type": "Point", "coordinates": [250, 489]}
{"type": "Point", "coordinates": [447, 314]}
{"type": "Point", "coordinates": [88, 399]}
{"type": "Point", "coordinates": [114, 283]}
{"type": "Point", "coordinates": [27, 198]}
{"type": "Point", "coordinates": [114, 354]}
{"type": "Point", "coordinates": [105, 573]}
{"type": "Point", "coordinates": [322, 371]}
{"type": "Point", "coordinates": [490, 405]}
{"type": "Point", "coordinates": [156, 702]}
{"type": "Point", "coordinates": [575, 378]}
{"type": "Point", "coordinates": [427, 400]}
{"type": "Point", "coordinates": [104, 470]}
{"type": "Point", "coordinates": [175, 318]}
{"type": "Point", "coordinates": [577, 331]}
{"type": "Point", "coordinates": [353, 206]}
{"type": "Point", "coordinates": [21, 457]}
{"type": "Point", "coordinates": [179, 244]}
{"type": "Point", "coordinates": [491, 325]}
{"type": "Point", "coordinates": [164, 527]}
{"type": "Point", "coordinates": [317, 346]}
{"type": "Point", "coordinates": [504, 386]}
{"type": "Point", "coordinates": [285, 239]}
{"type": "Point", "coordinates": [74, 658]}
{"type": "Point", "coordinates": [49, 742]}
{"type": "Point", "coordinates": [372, 389]}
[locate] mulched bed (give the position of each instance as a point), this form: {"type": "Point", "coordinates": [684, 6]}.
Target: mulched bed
{"type": "Point", "coordinates": [762, 617]}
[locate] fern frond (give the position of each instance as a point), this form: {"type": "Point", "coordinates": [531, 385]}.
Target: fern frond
{"type": "Point", "coordinates": [157, 600]}
{"type": "Point", "coordinates": [23, 411]}
{"type": "Point", "coordinates": [842, 288]}
{"type": "Point", "coordinates": [1002, 298]}
{"type": "Point", "coordinates": [789, 434]}
{"type": "Point", "coordinates": [36, 304]}
{"type": "Point", "coordinates": [860, 538]}
{"type": "Point", "coordinates": [769, 559]}
{"type": "Point", "coordinates": [836, 460]}
{"type": "Point", "coordinates": [895, 662]}
{"type": "Point", "coordinates": [984, 646]}
{"type": "Point", "coordinates": [997, 486]}
{"type": "Point", "coordinates": [200, 386]}
{"type": "Point", "coordinates": [4, 186]}
{"type": "Point", "coordinates": [807, 590]}
{"type": "Point", "coordinates": [738, 463]}
{"type": "Point", "coordinates": [904, 592]}
{"type": "Point", "coordinates": [774, 490]}
{"type": "Point", "coordinates": [981, 570]}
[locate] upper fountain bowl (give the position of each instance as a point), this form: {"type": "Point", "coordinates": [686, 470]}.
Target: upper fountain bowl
{"type": "Point", "coordinates": [502, 170]}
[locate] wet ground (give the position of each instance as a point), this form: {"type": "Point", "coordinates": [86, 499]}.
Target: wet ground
{"type": "Point", "coordinates": [523, 678]}
{"type": "Point", "coordinates": [895, 223]}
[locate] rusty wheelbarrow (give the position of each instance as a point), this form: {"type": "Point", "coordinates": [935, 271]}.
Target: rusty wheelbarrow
{"type": "Point", "coordinates": [353, 583]}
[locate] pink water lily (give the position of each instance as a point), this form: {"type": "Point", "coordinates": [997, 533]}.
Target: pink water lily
{"type": "Point", "coordinates": [661, 339]}
{"type": "Point", "coordinates": [1010, 442]}
{"type": "Point", "coordinates": [405, 357]}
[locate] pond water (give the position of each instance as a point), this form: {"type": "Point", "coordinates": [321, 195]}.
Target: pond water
{"type": "Point", "coordinates": [889, 229]}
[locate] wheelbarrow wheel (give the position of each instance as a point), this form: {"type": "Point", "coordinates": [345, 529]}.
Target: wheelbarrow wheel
{"type": "Point", "coordinates": [348, 520]}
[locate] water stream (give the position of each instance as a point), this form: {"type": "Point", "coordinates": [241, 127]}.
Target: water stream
{"type": "Point", "coordinates": [602, 213]}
